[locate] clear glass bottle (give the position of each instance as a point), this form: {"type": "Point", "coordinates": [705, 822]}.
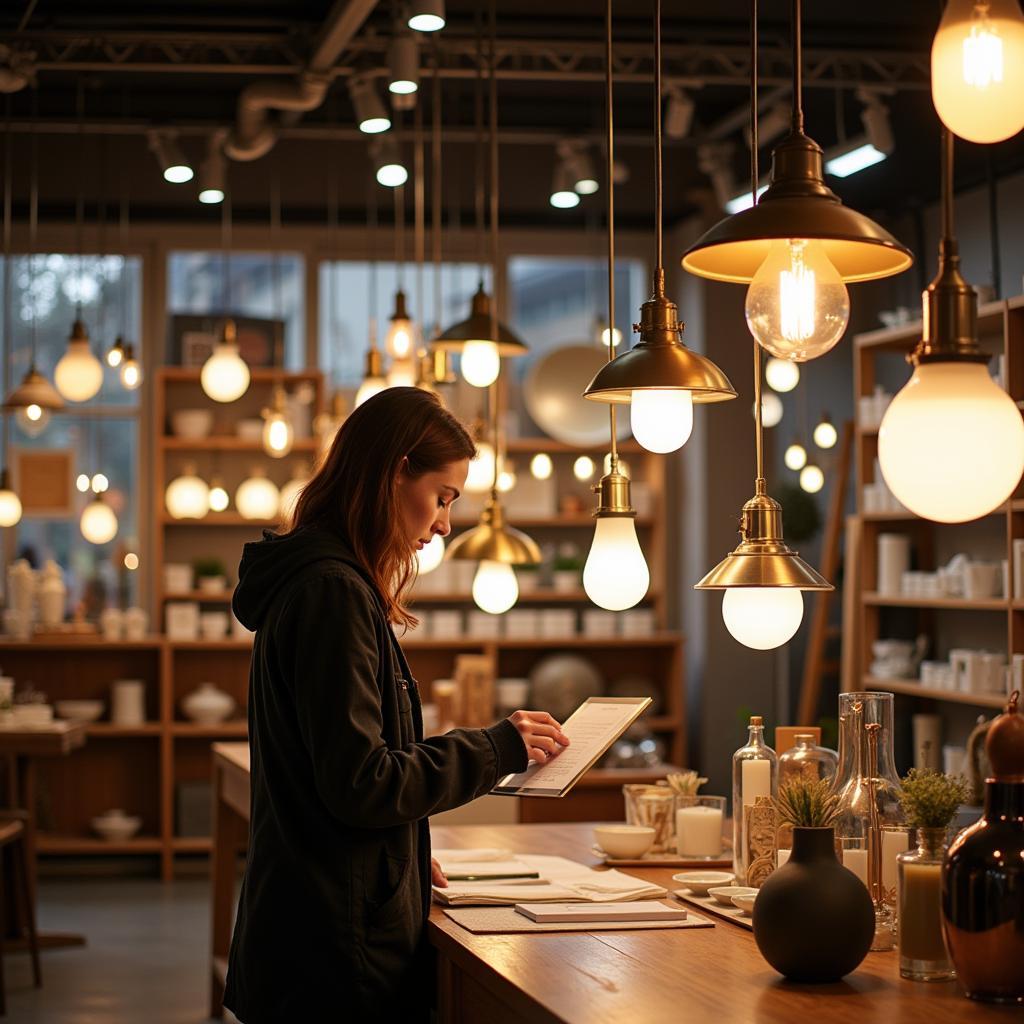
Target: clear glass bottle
{"type": "Point", "coordinates": [923, 955]}
{"type": "Point", "coordinates": [754, 773]}
{"type": "Point", "coordinates": [806, 760]}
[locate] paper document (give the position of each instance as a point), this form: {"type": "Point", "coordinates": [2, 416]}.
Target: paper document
{"type": "Point", "coordinates": [592, 728]}
{"type": "Point", "coordinates": [633, 910]}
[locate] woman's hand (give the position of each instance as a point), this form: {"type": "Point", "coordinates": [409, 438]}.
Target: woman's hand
{"type": "Point", "coordinates": [437, 875]}
{"type": "Point", "coordinates": [541, 734]}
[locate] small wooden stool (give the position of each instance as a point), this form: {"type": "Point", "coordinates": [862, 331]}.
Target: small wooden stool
{"type": "Point", "coordinates": [12, 833]}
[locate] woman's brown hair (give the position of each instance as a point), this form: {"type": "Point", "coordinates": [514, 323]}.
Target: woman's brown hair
{"type": "Point", "coordinates": [354, 492]}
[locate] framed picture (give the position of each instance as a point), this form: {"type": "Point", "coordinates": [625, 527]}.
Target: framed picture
{"type": "Point", "coordinates": [45, 481]}
{"type": "Point", "coordinates": [191, 339]}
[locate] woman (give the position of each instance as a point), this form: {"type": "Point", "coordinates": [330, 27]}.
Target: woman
{"type": "Point", "coordinates": [336, 892]}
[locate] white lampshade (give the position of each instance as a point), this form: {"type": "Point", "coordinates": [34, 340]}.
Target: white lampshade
{"type": "Point", "coordinates": [495, 588]}
{"type": "Point", "coordinates": [661, 420]}
{"type": "Point", "coordinates": [481, 470]}
{"type": "Point", "coordinates": [225, 375]}
{"type": "Point", "coordinates": [98, 523]}
{"type": "Point", "coordinates": [951, 443]}
{"type": "Point", "coordinates": [429, 557]}
{"type": "Point", "coordinates": [762, 617]}
{"type": "Point", "coordinates": [616, 574]}
{"type": "Point", "coordinates": [79, 374]}
{"type": "Point", "coordinates": [10, 507]}
{"type": "Point", "coordinates": [480, 363]}
{"type": "Point", "coordinates": [187, 496]}
{"type": "Point", "coordinates": [257, 497]}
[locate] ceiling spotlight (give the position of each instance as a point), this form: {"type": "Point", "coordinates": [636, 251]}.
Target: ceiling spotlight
{"type": "Point", "coordinates": [212, 174]}
{"type": "Point", "coordinates": [714, 160]}
{"type": "Point", "coordinates": [388, 167]}
{"type": "Point", "coordinates": [371, 115]}
{"type": "Point", "coordinates": [579, 168]}
{"type": "Point", "coordinates": [678, 113]}
{"type": "Point", "coordinates": [563, 195]}
{"type": "Point", "coordinates": [403, 65]}
{"type": "Point", "coordinates": [426, 15]}
{"type": "Point", "coordinates": [175, 167]}
{"type": "Point", "coordinates": [867, 149]}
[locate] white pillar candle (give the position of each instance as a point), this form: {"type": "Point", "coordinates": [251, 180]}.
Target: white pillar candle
{"type": "Point", "coordinates": [755, 780]}
{"type": "Point", "coordinates": [857, 862]}
{"type": "Point", "coordinates": [783, 857]}
{"type": "Point", "coordinates": [699, 831]}
{"type": "Point", "coordinates": [893, 844]}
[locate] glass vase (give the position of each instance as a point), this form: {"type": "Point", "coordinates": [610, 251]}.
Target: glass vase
{"type": "Point", "coordinates": [923, 955]}
{"type": "Point", "coordinates": [754, 774]}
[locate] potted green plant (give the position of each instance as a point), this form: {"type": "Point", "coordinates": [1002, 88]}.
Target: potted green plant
{"type": "Point", "coordinates": [930, 801]}
{"type": "Point", "coordinates": [567, 569]}
{"type": "Point", "coordinates": [813, 918]}
{"type": "Point", "coordinates": [210, 575]}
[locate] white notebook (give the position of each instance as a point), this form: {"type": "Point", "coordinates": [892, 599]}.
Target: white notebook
{"type": "Point", "coordinates": [637, 910]}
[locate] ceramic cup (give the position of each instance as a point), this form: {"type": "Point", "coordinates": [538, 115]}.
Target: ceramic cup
{"type": "Point", "coordinates": [112, 623]}
{"type": "Point", "coordinates": [135, 622]}
{"type": "Point", "coordinates": [981, 580]}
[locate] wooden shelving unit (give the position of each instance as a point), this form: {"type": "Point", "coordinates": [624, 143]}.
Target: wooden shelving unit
{"type": "Point", "coordinates": [879, 359]}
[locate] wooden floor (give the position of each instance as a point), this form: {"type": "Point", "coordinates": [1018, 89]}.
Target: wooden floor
{"type": "Point", "coordinates": [146, 958]}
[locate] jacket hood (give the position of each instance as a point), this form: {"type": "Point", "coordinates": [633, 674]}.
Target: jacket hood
{"type": "Point", "coordinates": [268, 566]}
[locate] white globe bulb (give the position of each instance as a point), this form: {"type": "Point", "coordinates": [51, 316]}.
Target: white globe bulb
{"type": "Point", "coordinates": [781, 374]}
{"type": "Point", "coordinates": [392, 175]}
{"type": "Point", "coordinates": [480, 363]}
{"type": "Point", "coordinates": [225, 375]}
{"type": "Point", "coordinates": [951, 444]}
{"type": "Point", "coordinates": [289, 496]}
{"type": "Point", "coordinates": [812, 479]}
{"type": "Point", "coordinates": [662, 421]}
{"type": "Point", "coordinates": [481, 470]}
{"type": "Point", "coordinates": [762, 617]}
{"type": "Point", "coordinates": [131, 375]}
{"type": "Point", "coordinates": [371, 386]}
{"type": "Point", "coordinates": [10, 507]}
{"type": "Point", "coordinates": [257, 498]}
{"type": "Point", "coordinates": [583, 468]}
{"type": "Point", "coordinates": [795, 457]}
{"type": "Point", "coordinates": [541, 466]}
{"type": "Point", "coordinates": [278, 435]}
{"type": "Point", "coordinates": [771, 410]}
{"type": "Point", "coordinates": [429, 557]}
{"type": "Point", "coordinates": [32, 419]}
{"type": "Point", "coordinates": [978, 69]}
{"type": "Point", "coordinates": [79, 374]}
{"type": "Point", "coordinates": [98, 523]}
{"type": "Point", "coordinates": [825, 435]}
{"type": "Point", "coordinates": [400, 338]}
{"type": "Point", "coordinates": [218, 499]}
{"type": "Point", "coordinates": [187, 497]}
{"type": "Point", "coordinates": [495, 588]}
{"type": "Point", "coordinates": [616, 574]}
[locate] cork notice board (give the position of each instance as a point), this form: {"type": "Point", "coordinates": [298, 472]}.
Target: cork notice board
{"type": "Point", "coordinates": [44, 479]}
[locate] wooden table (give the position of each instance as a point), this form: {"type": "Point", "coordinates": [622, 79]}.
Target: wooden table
{"type": "Point", "coordinates": [664, 977]}
{"type": "Point", "coordinates": [20, 746]}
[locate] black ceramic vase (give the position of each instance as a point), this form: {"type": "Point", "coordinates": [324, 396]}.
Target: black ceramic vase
{"type": "Point", "coordinates": [813, 918]}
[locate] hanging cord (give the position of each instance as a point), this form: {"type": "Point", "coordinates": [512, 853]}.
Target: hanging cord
{"type": "Point", "coordinates": [33, 227]}
{"type": "Point", "coordinates": [225, 243]}
{"type": "Point", "coordinates": [102, 234]}
{"type": "Point", "coordinates": [435, 186]}
{"type": "Point", "coordinates": [478, 123]}
{"type": "Point", "coordinates": [993, 223]}
{"type": "Point", "coordinates": [80, 201]}
{"type": "Point", "coordinates": [400, 235]}
{"type": "Point", "coordinates": [275, 266]}
{"type": "Point", "coordinates": [798, 74]}
{"type": "Point", "coordinates": [419, 208]}
{"type": "Point", "coordinates": [948, 242]}
{"type": "Point", "coordinates": [122, 236]}
{"type": "Point", "coordinates": [610, 174]}
{"type": "Point", "coordinates": [659, 270]}
{"type": "Point", "coordinates": [754, 174]}
{"type": "Point", "coordinates": [332, 241]}
{"type": "Point", "coordinates": [495, 277]}
{"type": "Point", "coordinates": [371, 219]}
{"type": "Point", "coordinates": [5, 368]}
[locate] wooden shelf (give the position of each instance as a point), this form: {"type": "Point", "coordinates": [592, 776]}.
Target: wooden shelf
{"type": "Point", "coordinates": [913, 689]}
{"type": "Point", "coordinates": [192, 844]}
{"type": "Point", "coordinates": [227, 443]}
{"type": "Point", "coordinates": [224, 730]}
{"type": "Point", "coordinates": [221, 597]}
{"type": "Point", "coordinates": [992, 604]}
{"type": "Point", "coordinates": [108, 730]}
{"type": "Point", "coordinates": [217, 519]}
{"type": "Point", "coordinates": [210, 645]}
{"type": "Point", "coordinates": [48, 842]}
{"type": "Point", "coordinates": [508, 643]}
{"type": "Point", "coordinates": [541, 595]}
{"type": "Point", "coordinates": [518, 445]}
{"type": "Point", "coordinates": [257, 375]}
{"type": "Point", "coordinates": [95, 641]}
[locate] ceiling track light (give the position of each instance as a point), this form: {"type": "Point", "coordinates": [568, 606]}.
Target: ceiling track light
{"type": "Point", "coordinates": [426, 16]}
{"type": "Point", "coordinates": [579, 167]}
{"type": "Point", "coordinates": [679, 112]}
{"type": "Point", "coordinates": [563, 195]}
{"type": "Point", "coordinates": [175, 167]}
{"type": "Point", "coordinates": [213, 173]}
{"type": "Point", "coordinates": [388, 168]}
{"type": "Point", "coordinates": [403, 69]}
{"type": "Point", "coordinates": [371, 114]}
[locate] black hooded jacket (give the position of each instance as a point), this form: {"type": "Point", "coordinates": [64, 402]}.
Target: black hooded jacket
{"type": "Point", "coordinates": [337, 880]}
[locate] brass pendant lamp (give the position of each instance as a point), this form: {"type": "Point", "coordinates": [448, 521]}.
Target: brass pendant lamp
{"type": "Point", "coordinates": [660, 376]}
{"type": "Point", "coordinates": [797, 205]}
{"type": "Point", "coordinates": [762, 577]}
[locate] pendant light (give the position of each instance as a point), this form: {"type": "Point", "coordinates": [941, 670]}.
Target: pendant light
{"type": "Point", "coordinates": [781, 375]}
{"type": "Point", "coordinates": [615, 575]}
{"type": "Point", "coordinates": [795, 456]}
{"type": "Point", "coordinates": [951, 443]}
{"type": "Point", "coordinates": [495, 546]}
{"type": "Point", "coordinates": [122, 354]}
{"type": "Point", "coordinates": [278, 434]}
{"type": "Point", "coordinates": [825, 434]}
{"type": "Point", "coordinates": [115, 354]}
{"type": "Point", "coordinates": [225, 375]}
{"type": "Point", "coordinates": [257, 497]}
{"type": "Point", "coordinates": [441, 370]}
{"type": "Point", "coordinates": [79, 374]}
{"type": "Point", "coordinates": [978, 69]}
{"type": "Point", "coordinates": [426, 15]}
{"type": "Point", "coordinates": [762, 578]}
{"type": "Point", "coordinates": [400, 339]}
{"type": "Point", "coordinates": [131, 371]}
{"type": "Point", "coordinates": [481, 340]}
{"type": "Point", "coordinates": [98, 523]}
{"type": "Point", "coordinates": [188, 495]}
{"type": "Point", "coordinates": [10, 503]}
{"type": "Point", "coordinates": [659, 377]}
{"type": "Point", "coordinates": [217, 499]}
{"type": "Point", "coordinates": [797, 247]}
{"type": "Point", "coordinates": [541, 466]}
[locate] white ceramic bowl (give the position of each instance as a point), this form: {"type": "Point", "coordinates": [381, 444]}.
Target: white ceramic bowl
{"type": "Point", "coordinates": [624, 841]}
{"type": "Point", "coordinates": [192, 424]}
{"type": "Point", "coordinates": [724, 893]}
{"type": "Point", "coordinates": [699, 882]}
{"type": "Point", "coordinates": [745, 901]}
{"type": "Point", "coordinates": [79, 710]}
{"type": "Point", "coordinates": [116, 826]}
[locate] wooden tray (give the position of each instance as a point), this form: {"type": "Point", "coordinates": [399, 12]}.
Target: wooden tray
{"type": "Point", "coordinates": [664, 860]}
{"type": "Point", "coordinates": [505, 920]}
{"type": "Point", "coordinates": [712, 906]}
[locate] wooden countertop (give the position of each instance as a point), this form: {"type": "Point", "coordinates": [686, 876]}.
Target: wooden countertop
{"type": "Point", "coordinates": [713, 975]}
{"type": "Point", "coordinates": [52, 740]}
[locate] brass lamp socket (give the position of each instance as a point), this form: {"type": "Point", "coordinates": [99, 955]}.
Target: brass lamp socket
{"type": "Point", "coordinates": [229, 332]}
{"type": "Point", "coordinates": [659, 317]}
{"type": "Point", "coordinates": [374, 363]}
{"type": "Point", "coordinates": [400, 313]}
{"type": "Point", "coordinates": [78, 332]}
{"type": "Point", "coordinates": [613, 497]}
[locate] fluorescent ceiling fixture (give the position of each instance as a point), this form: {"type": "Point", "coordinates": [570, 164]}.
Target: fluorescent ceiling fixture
{"type": "Point", "coordinates": [854, 160]}
{"type": "Point", "coordinates": [743, 201]}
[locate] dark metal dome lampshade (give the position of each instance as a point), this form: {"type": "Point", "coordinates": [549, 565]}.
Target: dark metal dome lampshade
{"type": "Point", "coordinates": [478, 326]}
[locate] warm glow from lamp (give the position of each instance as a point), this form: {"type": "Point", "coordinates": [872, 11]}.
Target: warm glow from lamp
{"type": "Point", "coordinates": [481, 470]}
{"type": "Point", "coordinates": [98, 523]}
{"type": "Point", "coordinates": [278, 434]}
{"type": "Point", "coordinates": [187, 496]}
{"type": "Point", "coordinates": [480, 363]}
{"type": "Point", "coordinates": [825, 435]}
{"type": "Point", "coordinates": [495, 588]}
{"type": "Point", "coordinates": [812, 479]}
{"type": "Point", "coordinates": [951, 443]}
{"type": "Point", "coordinates": [225, 375]}
{"type": "Point", "coordinates": [583, 468]}
{"type": "Point", "coordinates": [79, 374]}
{"type": "Point", "coordinates": [32, 419]}
{"type": "Point", "coordinates": [771, 409]}
{"type": "Point", "coordinates": [430, 556]}
{"type": "Point", "coordinates": [257, 497]}
{"type": "Point", "coordinates": [762, 617]}
{"type": "Point", "coordinates": [795, 457]}
{"type": "Point", "coordinates": [131, 371]}
{"type": "Point", "coordinates": [541, 466]}
{"type": "Point", "coordinates": [10, 507]}
{"type": "Point", "coordinates": [616, 574]}
{"type": "Point", "coordinates": [781, 374]}
{"type": "Point", "coordinates": [218, 499]}
{"type": "Point", "coordinates": [371, 386]}
{"type": "Point", "coordinates": [661, 420]}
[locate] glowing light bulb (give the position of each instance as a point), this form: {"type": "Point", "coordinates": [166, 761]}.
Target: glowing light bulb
{"type": "Point", "coordinates": [429, 557]}
{"type": "Point", "coordinates": [978, 69]}
{"type": "Point", "coordinates": [795, 457]}
{"type": "Point", "coordinates": [771, 409]}
{"type": "Point", "coordinates": [278, 434]}
{"type": "Point", "coordinates": [371, 386]}
{"type": "Point", "coordinates": [217, 499]}
{"type": "Point", "coordinates": [495, 588]}
{"type": "Point", "coordinates": [99, 483]}
{"type": "Point", "coordinates": [615, 575]}
{"type": "Point", "coordinates": [32, 419]}
{"type": "Point", "coordinates": [187, 496]}
{"type": "Point", "coordinates": [79, 374]}
{"type": "Point", "coordinates": [98, 522]}
{"type": "Point", "coordinates": [781, 375]}
{"type": "Point", "coordinates": [480, 363]}
{"type": "Point", "coordinates": [401, 374]}
{"type": "Point", "coordinates": [257, 497]}
{"type": "Point", "coordinates": [400, 338]}
{"type": "Point", "coordinates": [762, 617]}
{"type": "Point", "coordinates": [131, 561]}
{"type": "Point", "coordinates": [115, 354]}
{"type": "Point", "coordinates": [797, 306]}
{"type": "Point", "coordinates": [661, 421]}
{"type": "Point", "coordinates": [812, 479]}
{"type": "Point", "coordinates": [82, 482]}
{"type": "Point", "coordinates": [951, 443]}
{"type": "Point", "coordinates": [825, 435]}
{"type": "Point", "coordinates": [541, 466]}
{"type": "Point", "coordinates": [225, 375]}
{"type": "Point", "coordinates": [583, 468]}
{"type": "Point", "coordinates": [506, 480]}
{"type": "Point", "coordinates": [10, 507]}
{"type": "Point", "coordinates": [608, 335]}
{"type": "Point", "coordinates": [131, 372]}
{"type": "Point", "coordinates": [481, 469]}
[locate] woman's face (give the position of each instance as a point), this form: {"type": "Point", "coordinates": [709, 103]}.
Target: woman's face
{"type": "Point", "coordinates": [426, 501]}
